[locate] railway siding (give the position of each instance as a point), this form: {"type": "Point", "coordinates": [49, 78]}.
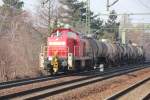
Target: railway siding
{"type": "Point", "coordinates": [103, 89]}
{"type": "Point", "coordinates": [137, 91]}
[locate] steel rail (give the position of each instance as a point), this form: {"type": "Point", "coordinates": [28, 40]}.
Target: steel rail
{"type": "Point", "coordinates": [147, 97]}
{"type": "Point", "coordinates": [127, 90]}
{"type": "Point", "coordinates": [16, 83]}
{"type": "Point", "coordinates": [60, 87]}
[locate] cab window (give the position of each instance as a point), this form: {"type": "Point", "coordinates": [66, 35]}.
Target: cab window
{"type": "Point", "coordinates": [56, 34]}
{"type": "Point", "coordinates": [72, 35]}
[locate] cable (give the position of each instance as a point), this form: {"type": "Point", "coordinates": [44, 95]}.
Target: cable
{"type": "Point", "coordinates": [105, 14]}
{"type": "Point", "coordinates": [146, 6]}
{"type": "Point", "coordinates": [113, 3]}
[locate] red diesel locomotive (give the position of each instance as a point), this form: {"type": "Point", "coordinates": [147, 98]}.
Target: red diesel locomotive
{"type": "Point", "coordinates": [65, 51]}
{"type": "Point", "coordinates": [68, 50]}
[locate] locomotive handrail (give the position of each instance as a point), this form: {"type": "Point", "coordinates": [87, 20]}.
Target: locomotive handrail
{"type": "Point", "coordinates": [79, 51]}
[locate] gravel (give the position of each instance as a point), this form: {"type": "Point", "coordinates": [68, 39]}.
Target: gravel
{"type": "Point", "coordinates": [99, 90]}
{"type": "Point", "coordinates": [102, 90]}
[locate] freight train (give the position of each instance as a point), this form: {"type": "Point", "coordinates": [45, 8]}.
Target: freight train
{"type": "Point", "coordinates": [68, 50]}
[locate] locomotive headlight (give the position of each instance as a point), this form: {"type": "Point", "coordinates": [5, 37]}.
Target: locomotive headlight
{"type": "Point", "coordinates": [58, 43]}
{"type": "Point", "coordinates": [49, 58]}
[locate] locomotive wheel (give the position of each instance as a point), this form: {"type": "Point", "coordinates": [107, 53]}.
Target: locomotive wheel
{"type": "Point", "coordinates": [65, 69]}
{"type": "Point", "coordinates": [78, 66]}
{"type": "Point", "coordinates": [51, 71]}
{"type": "Point", "coordinates": [88, 65]}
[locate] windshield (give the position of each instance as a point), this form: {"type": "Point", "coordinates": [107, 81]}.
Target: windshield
{"type": "Point", "coordinates": [56, 34]}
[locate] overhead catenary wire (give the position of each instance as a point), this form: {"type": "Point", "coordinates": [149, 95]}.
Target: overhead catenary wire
{"type": "Point", "coordinates": [129, 28]}
{"type": "Point", "coordinates": [113, 3]}
{"type": "Point", "coordinates": [107, 14]}
{"type": "Point", "coordinates": [110, 5]}
{"type": "Point", "coordinates": [143, 4]}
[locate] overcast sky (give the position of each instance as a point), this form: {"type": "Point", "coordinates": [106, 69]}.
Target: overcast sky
{"type": "Point", "coordinates": [99, 6]}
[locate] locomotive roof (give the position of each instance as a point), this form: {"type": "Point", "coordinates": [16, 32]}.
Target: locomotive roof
{"type": "Point", "coordinates": [62, 29]}
{"type": "Point", "coordinates": [68, 29]}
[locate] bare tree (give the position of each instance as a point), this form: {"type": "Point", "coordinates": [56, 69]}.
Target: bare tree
{"type": "Point", "coordinates": [19, 45]}
{"type": "Point", "coordinates": [47, 14]}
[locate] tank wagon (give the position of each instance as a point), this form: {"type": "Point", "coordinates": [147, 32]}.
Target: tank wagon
{"type": "Point", "coordinates": [67, 50]}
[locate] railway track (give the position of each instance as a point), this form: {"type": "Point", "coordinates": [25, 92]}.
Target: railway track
{"type": "Point", "coordinates": [147, 97]}
{"type": "Point", "coordinates": [131, 92]}
{"type": "Point", "coordinates": [61, 87]}
{"type": "Point", "coordinates": [16, 83]}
